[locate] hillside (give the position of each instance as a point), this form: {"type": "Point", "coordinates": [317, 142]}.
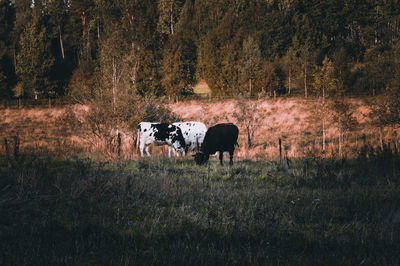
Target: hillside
{"type": "Point", "coordinates": [296, 122]}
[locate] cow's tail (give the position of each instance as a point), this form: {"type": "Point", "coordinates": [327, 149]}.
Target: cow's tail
{"type": "Point", "coordinates": [237, 144]}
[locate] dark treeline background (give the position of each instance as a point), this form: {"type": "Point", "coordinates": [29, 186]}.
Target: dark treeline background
{"type": "Point", "coordinates": [55, 48]}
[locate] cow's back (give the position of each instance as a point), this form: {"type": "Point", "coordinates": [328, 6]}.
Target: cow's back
{"type": "Point", "coordinates": [221, 137]}
{"type": "Point", "coordinates": [192, 131]}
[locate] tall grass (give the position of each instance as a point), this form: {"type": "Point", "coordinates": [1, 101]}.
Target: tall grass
{"type": "Point", "coordinates": [172, 212]}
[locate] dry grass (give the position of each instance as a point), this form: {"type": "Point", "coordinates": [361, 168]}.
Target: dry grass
{"type": "Point", "coordinates": [291, 120]}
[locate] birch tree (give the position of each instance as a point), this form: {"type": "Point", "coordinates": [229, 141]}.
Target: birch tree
{"type": "Point", "coordinates": [324, 82]}
{"type": "Point", "coordinates": [169, 11]}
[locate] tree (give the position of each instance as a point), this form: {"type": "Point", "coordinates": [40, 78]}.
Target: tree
{"type": "Point", "coordinates": [179, 62]}
{"type": "Point", "coordinates": [343, 117]}
{"type": "Point", "coordinates": [7, 17]}
{"type": "Point", "coordinates": [324, 82]}
{"type": "Point", "coordinates": [58, 12]}
{"type": "Point", "coordinates": [307, 59]}
{"type": "Point", "coordinates": [245, 115]}
{"type": "Point", "coordinates": [34, 59]}
{"type": "Point", "coordinates": [169, 11]}
{"type": "Point", "coordinates": [178, 65]}
{"type": "Point", "coordinates": [290, 61]}
{"type": "Point", "coordinates": [251, 62]}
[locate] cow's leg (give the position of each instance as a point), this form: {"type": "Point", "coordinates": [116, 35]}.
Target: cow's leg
{"type": "Point", "coordinates": [221, 155]}
{"type": "Point", "coordinates": [194, 147]}
{"type": "Point", "coordinates": [141, 149]}
{"type": "Point", "coordinates": [231, 158]}
{"type": "Point", "coordinates": [199, 145]}
{"type": "Point", "coordinates": [147, 150]}
{"type": "Point", "coordinates": [169, 151]}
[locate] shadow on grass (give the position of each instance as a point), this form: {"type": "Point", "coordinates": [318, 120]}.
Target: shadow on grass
{"type": "Point", "coordinates": [172, 212]}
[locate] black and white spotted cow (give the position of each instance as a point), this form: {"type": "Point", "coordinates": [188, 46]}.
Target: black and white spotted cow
{"type": "Point", "coordinates": [193, 133]}
{"type": "Point", "coordinates": [159, 134]}
{"type": "Point", "coordinates": [221, 138]}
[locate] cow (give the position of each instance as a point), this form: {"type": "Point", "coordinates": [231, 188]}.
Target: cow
{"type": "Point", "coordinates": [159, 134]}
{"type": "Point", "coordinates": [221, 138]}
{"type": "Point", "coordinates": [193, 133]}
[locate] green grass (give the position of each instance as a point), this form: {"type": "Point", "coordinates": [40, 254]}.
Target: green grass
{"type": "Point", "coordinates": [169, 211]}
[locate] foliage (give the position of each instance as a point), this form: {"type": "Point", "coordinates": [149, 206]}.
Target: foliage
{"type": "Point", "coordinates": [250, 63]}
{"type": "Point", "coordinates": [35, 62]}
{"type": "Point", "coordinates": [164, 46]}
{"type": "Point", "coordinates": [325, 81]}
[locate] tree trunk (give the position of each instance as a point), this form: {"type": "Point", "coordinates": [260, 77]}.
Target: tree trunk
{"type": "Point", "coordinates": [305, 78]}
{"type": "Point", "coordinates": [250, 87]}
{"type": "Point", "coordinates": [98, 30]}
{"type": "Point", "coordinates": [323, 131]}
{"type": "Point", "coordinates": [15, 61]}
{"type": "Point", "coordinates": [172, 18]}
{"type": "Point", "coordinates": [114, 83]}
{"type": "Point", "coordinates": [290, 79]}
{"type": "Point", "coordinates": [381, 138]}
{"type": "Point", "coordinates": [61, 42]}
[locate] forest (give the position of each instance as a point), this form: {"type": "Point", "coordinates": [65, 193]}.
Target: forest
{"type": "Point", "coordinates": [90, 48]}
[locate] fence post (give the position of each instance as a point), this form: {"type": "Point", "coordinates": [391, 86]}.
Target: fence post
{"type": "Point", "coordinates": [280, 150]}
{"type": "Point", "coordinates": [16, 147]}
{"type": "Point", "coordinates": [6, 147]}
{"type": "Point", "coordinates": [119, 145]}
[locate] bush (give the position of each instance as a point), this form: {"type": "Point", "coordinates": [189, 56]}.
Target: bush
{"type": "Point", "coordinates": [111, 128]}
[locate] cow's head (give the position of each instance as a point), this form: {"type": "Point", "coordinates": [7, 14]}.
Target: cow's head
{"type": "Point", "coordinates": [201, 158]}
{"type": "Point", "coordinates": [178, 142]}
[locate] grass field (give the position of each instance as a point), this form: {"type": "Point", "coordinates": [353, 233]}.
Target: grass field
{"type": "Point", "coordinates": [292, 120]}
{"type": "Point", "coordinates": [314, 211]}
{"type": "Point", "coordinates": [67, 198]}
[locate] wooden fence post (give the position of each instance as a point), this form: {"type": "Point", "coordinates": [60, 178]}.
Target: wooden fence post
{"type": "Point", "coordinates": [6, 147]}
{"type": "Point", "coordinates": [119, 145]}
{"type": "Point", "coordinates": [16, 147]}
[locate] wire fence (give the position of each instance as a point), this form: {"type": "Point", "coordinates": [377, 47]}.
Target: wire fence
{"type": "Point", "coordinates": [34, 103]}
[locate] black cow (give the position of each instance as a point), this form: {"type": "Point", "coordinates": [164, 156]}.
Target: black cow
{"type": "Point", "coordinates": [221, 138]}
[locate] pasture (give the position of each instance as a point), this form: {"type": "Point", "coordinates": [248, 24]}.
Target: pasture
{"type": "Point", "coordinates": [171, 212]}
{"type": "Point", "coordinates": [68, 198]}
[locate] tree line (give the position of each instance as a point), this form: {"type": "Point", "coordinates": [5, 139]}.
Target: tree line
{"type": "Point", "coordinates": [88, 49]}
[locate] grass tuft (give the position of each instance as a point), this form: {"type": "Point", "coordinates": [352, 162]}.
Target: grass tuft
{"type": "Point", "coordinates": [171, 211]}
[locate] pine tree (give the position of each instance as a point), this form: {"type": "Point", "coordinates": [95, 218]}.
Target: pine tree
{"type": "Point", "coordinates": [6, 68]}
{"type": "Point", "coordinates": [179, 62]}
{"type": "Point", "coordinates": [34, 58]}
